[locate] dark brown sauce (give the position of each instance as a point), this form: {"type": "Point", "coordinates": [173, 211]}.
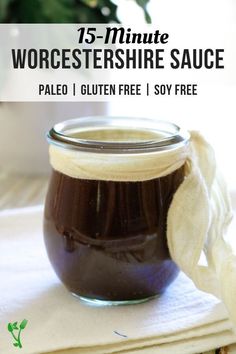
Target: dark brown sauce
{"type": "Point", "coordinates": [107, 240]}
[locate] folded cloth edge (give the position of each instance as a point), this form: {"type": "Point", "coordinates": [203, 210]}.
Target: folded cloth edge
{"type": "Point", "coordinates": [203, 200]}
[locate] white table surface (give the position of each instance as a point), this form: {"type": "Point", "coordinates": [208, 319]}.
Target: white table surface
{"type": "Point", "coordinates": [20, 191]}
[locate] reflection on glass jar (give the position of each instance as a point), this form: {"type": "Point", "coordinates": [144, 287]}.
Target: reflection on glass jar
{"type": "Point", "coordinates": [112, 183]}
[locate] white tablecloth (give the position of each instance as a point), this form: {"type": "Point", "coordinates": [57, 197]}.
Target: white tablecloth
{"type": "Point", "coordinates": [183, 320]}
{"type": "Point", "coordinates": [20, 191]}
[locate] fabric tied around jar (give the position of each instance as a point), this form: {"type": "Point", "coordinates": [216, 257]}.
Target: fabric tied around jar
{"type": "Point", "coordinates": [199, 214]}
{"type": "Point", "coordinates": [197, 224]}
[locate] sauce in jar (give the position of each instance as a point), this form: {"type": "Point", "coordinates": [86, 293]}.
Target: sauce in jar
{"type": "Point", "coordinates": [106, 239]}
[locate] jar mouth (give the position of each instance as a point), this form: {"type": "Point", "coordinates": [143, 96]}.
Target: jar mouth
{"type": "Point", "coordinates": [117, 135]}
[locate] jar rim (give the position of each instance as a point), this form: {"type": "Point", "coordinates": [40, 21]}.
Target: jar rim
{"type": "Point", "coordinates": [168, 135]}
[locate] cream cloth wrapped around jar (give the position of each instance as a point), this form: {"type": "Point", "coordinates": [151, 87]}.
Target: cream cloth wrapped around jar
{"type": "Point", "coordinates": [199, 214]}
{"type": "Point", "coordinates": [197, 223]}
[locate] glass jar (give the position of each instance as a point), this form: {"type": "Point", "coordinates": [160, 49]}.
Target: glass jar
{"type": "Point", "coordinates": [112, 183]}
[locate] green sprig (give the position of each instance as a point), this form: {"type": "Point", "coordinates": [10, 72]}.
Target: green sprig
{"type": "Point", "coordinates": [17, 335]}
{"type": "Point", "coordinates": [63, 11]}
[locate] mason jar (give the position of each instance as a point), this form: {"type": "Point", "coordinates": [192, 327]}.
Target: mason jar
{"type": "Point", "coordinates": [112, 182]}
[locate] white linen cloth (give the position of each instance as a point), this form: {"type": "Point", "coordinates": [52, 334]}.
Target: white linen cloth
{"type": "Point", "coordinates": [183, 320]}
{"type": "Point", "coordinates": [197, 226]}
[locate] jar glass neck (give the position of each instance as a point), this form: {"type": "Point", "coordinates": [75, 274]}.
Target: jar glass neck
{"type": "Point", "coordinates": [117, 135]}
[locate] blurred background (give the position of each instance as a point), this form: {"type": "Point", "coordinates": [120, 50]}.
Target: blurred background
{"type": "Point", "coordinates": [24, 167]}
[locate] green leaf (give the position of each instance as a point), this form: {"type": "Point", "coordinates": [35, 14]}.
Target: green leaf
{"type": "Point", "coordinates": [3, 8]}
{"type": "Point", "coordinates": [59, 11]}
{"type": "Point", "coordinates": [85, 13]}
{"type": "Point", "coordinates": [23, 324]}
{"type": "Point", "coordinates": [63, 11]}
{"type": "Point", "coordinates": [112, 11]}
{"type": "Point", "coordinates": [143, 5]}
{"type": "Point", "coordinates": [10, 327]}
{"type": "Point", "coordinates": [15, 325]}
{"type": "Point", "coordinates": [147, 17]}
{"type": "Point", "coordinates": [90, 3]}
{"type": "Point", "coordinates": [16, 344]}
{"type": "Point", "coordinates": [24, 11]}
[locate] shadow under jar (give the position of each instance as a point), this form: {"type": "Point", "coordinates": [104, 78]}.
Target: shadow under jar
{"type": "Point", "coordinates": [112, 183]}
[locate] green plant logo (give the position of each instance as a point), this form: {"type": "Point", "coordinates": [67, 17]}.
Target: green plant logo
{"type": "Point", "coordinates": [13, 327]}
